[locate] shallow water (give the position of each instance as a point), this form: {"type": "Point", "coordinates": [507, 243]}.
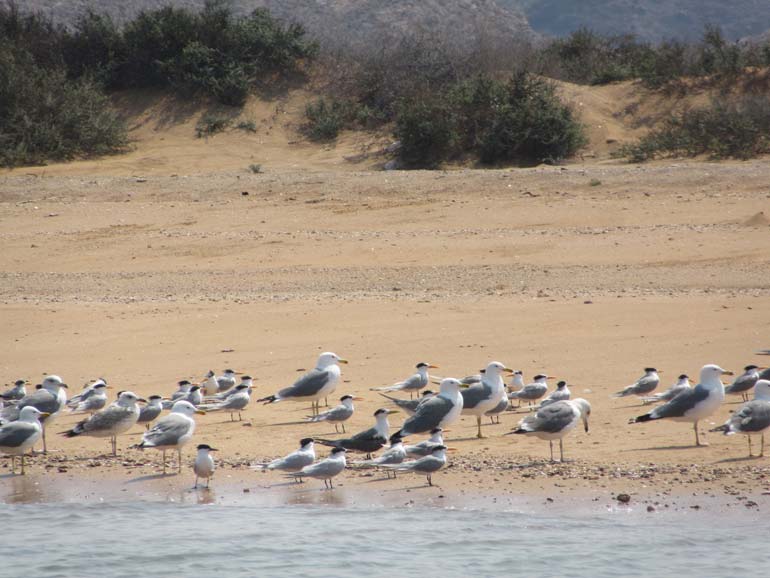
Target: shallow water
{"type": "Point", "coordinates": [150, 538]}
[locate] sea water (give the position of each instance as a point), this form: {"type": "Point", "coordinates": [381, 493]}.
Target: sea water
{"type": "Point", "coordinates": [141, 539]}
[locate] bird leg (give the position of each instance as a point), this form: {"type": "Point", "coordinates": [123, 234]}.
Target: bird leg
{"type": "Point", "coordinates": [335, 429]}
{"type": "Point", "coordinates": [550, 444]}
{"type": "Point", "coordinates": [561, 449]}
{"type": "Point", "coordinates": [23, 472]}
{"type": "Point", "coordinates": [13, 464]}
{"type": "Point", "coordinates": [762, 446]}
{"type": "Point", "coordinates": [208, 482]}
{"type": "Point", "coordinates": [239, 417]}
{"type": "Point", "coordinates": [164, 462]}
{"type": "Point", "coordinates": [179, 460]}
{"type": "Point", "coordinates": [343, 428]}
{"type": "Point", "coordinates": [697, 438]}
{"type": "Point", "coordinates": [430, 482]}
{"type": "Point", "coordinates": [195, 487]}
{"type": "Point", "coordinates": [749, 438]}
{"type": "Point", "coordinates": [478, 423]}
{"type": "Point", "coordinates": [326, 402]}
{"type": "Point", "coordinates": [45, 447]}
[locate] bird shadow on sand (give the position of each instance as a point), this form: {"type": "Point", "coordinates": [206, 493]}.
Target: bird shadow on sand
{"type": "Point", "coordinates": [151, 477]}
{"type": "Point", "coordinates": [664, 448]}
{"type": "Point", "coordinates": [408, 488]}
{"type": "Point", "coordinates": [741, 459]}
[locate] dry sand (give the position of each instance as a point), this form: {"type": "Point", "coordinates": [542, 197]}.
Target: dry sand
{"type": "Point", "coordinates": [150, 273]}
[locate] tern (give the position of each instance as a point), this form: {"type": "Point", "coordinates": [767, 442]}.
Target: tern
{"type": "Point", "coordinates": [643, 386]}
{"type": "Point", "coordinates": [293, 462]}
{"type": "Point", "coordinates": [367, 441]}
{"type": "Point", "coordinates": [413, 383]}
{"type": "Point", "coordinates": [324, 469]}
{"type": "Point", "coordinates": [338, 415]}
{"type": "Point", "coordinates": [204, 465]}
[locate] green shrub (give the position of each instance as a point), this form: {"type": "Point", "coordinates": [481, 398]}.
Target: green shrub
{"type": "Point", "coordinates": [247, 126]}
{"type": "Point", "coordinates": [427, 133]}
{"type": "Point", "coordinates": [722, 130]}
{"type": "Point", "coordinates": [521, 120]}
{"type": "Point", "coordinates": [326, 118]}
{"type": "Point", "coordinates": [44, 116]}
{"type": "Point", "coordinates": [210, 124]}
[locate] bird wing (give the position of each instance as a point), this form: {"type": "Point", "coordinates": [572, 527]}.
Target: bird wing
{"type": "Point", "coordinates": [428, 415]}
{"type": "Point", "coordinates": [681, 404]}
{"type": "Point", "coordinates": [107, 419]}
{"type": "Point", "coordinates": [42, 399]}
{"type": "Point", "coordinates": [753, 416]}
{"type": "Point", "coordinates": [552, 418]}
{"type": "Point", "coordinates": [16, 433]}
{"type": "Point", "coordinates": [474, 395]}
{"type": "Point", "coordinates": [167, 431]}
{"type": "Point", "coordinates": [309, 384]}
{"type": "Point", "coordinates": [366, 435]}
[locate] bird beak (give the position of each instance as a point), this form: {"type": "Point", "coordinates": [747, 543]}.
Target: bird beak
{"type": "Point", "coordinates": [142, 399]}
{"type": "Point", "coordinates": [213, 450]}
{"type": "Point", "coordinates": [200, 411]}
{"type": "Point", "coordinates": [725, 372]}
{"type": "Point", "coordinates": [451, 449]}
{"type": "Point", "coordinates": [345, 361]}
{"type": "Point", "coordinates": [586, 425]}
{"type": "Point", "coordinates": [65, 386]}
{"type": "Point", "coordinates": [358, 399]}
{"type": "Point", "coordinates": [443, 431]}
{"type": "Point", "coordinates": [431, 366]}
{"type": "Point", "coordinates": [44, 414]}
{"type": "Point", "coordinates": [507, 370]}
{"type": "Point", "coordinates": [392, 411]}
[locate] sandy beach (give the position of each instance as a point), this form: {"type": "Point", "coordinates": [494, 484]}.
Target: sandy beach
{"type": "Point", "coordinates": [147, 278]}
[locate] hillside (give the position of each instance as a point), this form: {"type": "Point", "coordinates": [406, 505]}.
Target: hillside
{"type": "Point", "coordinates": [348, 21]}
{"type": "Point", "coordinates": [162, 130]}
{"type": "Point", "coordinates": [649, 19]}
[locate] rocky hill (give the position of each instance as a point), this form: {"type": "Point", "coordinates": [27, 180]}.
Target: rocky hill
{"type": "Point", "coordinates": [649, 19]}
{"type": "Point", "coordinates": [347, 21]}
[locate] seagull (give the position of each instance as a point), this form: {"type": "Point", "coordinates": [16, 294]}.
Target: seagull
{"type": "Point", "coordinates": [439, 411]}
{"type": "Point", "coordinates": [204, 466]}
{"type": "Point", "coordinates": [424, 448]}
{"type": "Point", "coordinates": [150, 412]}
{"type": "Point", "coordinates": [554, 421]}
{"type": "Point", "coordinates": [227, 380]}
{"type": "Point", "coordinates": [409, 406]}
{"type": "Point", "coordinates": [367, 441]}
{"type": "Point", "coordinates": [87, 391]}
{"type": "Point", "coordinates": [317, 383]}
{"type": "Point", "coordinates": [427, 465]}
{"type": "Point", "coordinates": [561, 393]}
{"type": "Point", "coordinates": [532, 391]}
{"type": "Point", "coordinates": [742, 384]}
{"type": "Point", "coordinates": [642, 386]}
{"type": "Point", "coordinates": [235, 403]}
{"type": "Point", "coordinates": [181, 393]}
{"type": "Point", "coordinates": [19, 436]}
{"type": "Point", "coordinates": [413, 383]}
{"type": "Point", "coordinates": [339, 414]}
{"type": "Point", "coordinates": [396, 454]}
{"type": "Point", "coordinates": [485, 395]}
{"type": "Point", "coordinates": [682, 383]}
{"type": "Point", "coordinates": [118, 418]}
{"type": "Point", "coordinates": [50, 399]}
{"type": "Point", "coordinates": [695, 404]}
{"type": "Point", "coordinates": [325, 469]}
{"type": "Point", "coordinates": [172, 431]}
{"type": "Point", "coordinates": [293, 462]}
{"type": "Point", "coordinates": [92, 400]}
{"type": "Point", "coordinates": [17, 392]}
{"type": "Point", "coordinates": [752, 418]}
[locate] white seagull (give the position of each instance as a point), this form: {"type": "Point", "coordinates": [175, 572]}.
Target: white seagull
{"type": "Point", "coordinates": [172, 431]}
{"type": "Point", "coordinates": [19, 436]}
{"type": "Point", "coordinates": [554, 421]}
{"type": "Point", "coordinates": [695, 404]}
{"type": "Point", "coordinates": [439, 411]}
{"type": "Point", "coordinates": [317, 383]}
{"type": "Point", "coordinates": [116, 419]}
{"type": "Point", "coordinates": [752, 418]}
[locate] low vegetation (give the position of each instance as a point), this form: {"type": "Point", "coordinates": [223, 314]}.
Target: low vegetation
{"type": "Point", "coordinates": [725, 129]}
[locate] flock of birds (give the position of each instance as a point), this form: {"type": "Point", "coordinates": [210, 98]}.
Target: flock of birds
{"type": "Point", "coordinates": [24, 417]}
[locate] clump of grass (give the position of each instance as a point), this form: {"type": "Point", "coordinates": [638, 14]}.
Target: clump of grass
{"type": "Point", "coordinates": [247, 125]}
{"type": "Point", "coordinates": [594, 182]}
{"type": "Point", "coordinates": [210, 124]}
{"type": "Point", "coordinates": [255, 168]}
